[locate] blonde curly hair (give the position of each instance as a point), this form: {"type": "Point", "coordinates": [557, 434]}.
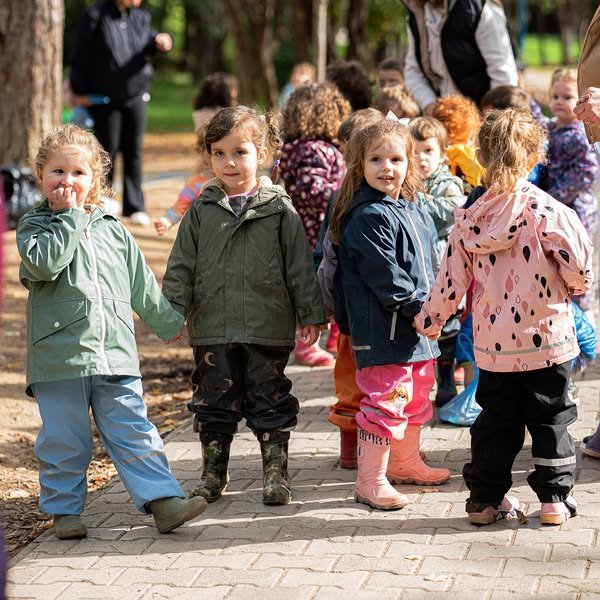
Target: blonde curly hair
{"type": "Point", "coordinates": [509, 141]}
{"type": "Point", "coordinates": [314, 111]}
{"type": "Point", "coordinates": [84, 141]}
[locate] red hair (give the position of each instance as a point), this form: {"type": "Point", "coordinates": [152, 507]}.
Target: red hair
{"type": "Point", "coordinates": [460, 116]}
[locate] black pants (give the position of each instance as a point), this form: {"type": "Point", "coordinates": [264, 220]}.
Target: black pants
{"type": "Point", "coordinates": [121, 128]}
{"type": "Point", "coordinates": [510, 402]}
{"type": "Point", "coordinates": [235, 381]}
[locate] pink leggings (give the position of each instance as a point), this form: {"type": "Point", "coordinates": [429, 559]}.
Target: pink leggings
{"type": "Point", "coordinates": [394, 396]}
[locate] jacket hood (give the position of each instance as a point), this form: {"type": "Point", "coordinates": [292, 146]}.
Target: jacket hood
{"type": "Point", "coordinates": [491, 222]}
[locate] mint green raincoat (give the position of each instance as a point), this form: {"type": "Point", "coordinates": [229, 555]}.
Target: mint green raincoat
{"type": "Point", "coordinates": [85, 275]}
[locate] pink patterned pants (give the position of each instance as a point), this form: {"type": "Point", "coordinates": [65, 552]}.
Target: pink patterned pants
{"type": "Point", "coordinates": [394, 397]}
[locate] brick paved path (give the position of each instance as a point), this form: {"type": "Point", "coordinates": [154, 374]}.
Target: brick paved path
{"type": "Point", "coordinates": [324, 544]}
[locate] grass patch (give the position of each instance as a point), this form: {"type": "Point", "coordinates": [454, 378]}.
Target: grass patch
{"type": "Point", "coordinates": [170, 108]}
{"type": "Point", "coordinates": [546, 50]}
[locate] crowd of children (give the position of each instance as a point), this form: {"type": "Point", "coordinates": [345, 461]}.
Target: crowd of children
{"type": "Point", "coordinates": [417, 227]}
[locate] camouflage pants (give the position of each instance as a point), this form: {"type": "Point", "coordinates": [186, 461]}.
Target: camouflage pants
{"type": "Point", "coordinates": [235, 381]}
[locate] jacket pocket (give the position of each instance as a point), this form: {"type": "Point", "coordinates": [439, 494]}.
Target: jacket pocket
{"type": "Point", "coordinates": [124, 313]}
{"type": "Point", "coordinates": [50, 319]}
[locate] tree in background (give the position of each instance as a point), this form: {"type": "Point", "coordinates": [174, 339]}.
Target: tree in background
{"type": "Point", "coordinates": [31, 38]}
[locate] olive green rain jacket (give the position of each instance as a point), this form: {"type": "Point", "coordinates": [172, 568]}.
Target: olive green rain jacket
{"type": "Point", "coordinates": [245, 279]}
{"type": "Point", "coordinates": [85, 275]}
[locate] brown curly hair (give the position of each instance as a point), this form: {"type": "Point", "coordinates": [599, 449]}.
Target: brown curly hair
{"type": "Point", "coordinates": [509, 140]}
{"type": "Point", "coordinates": [314, 111]}
{"type": "Point", "coordinates": [85, 141]}
{"type": "Point", "coordinates": [360, 142]}
{"type": "Point", "coordinates": [398, 100]}
{"type": "Point", "coordinates": [460, 116]}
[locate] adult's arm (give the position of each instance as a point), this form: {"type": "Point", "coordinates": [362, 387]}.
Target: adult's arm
{"type": "Point", "coordinates": [415, 81]}
{"type": "Point", "coordinates": [493, 42]}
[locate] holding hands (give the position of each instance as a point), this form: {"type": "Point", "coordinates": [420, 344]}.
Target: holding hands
{"type": "Point", "coordinates": [587, 108]}
{"type": "Point", "coordinates": [310, 334]}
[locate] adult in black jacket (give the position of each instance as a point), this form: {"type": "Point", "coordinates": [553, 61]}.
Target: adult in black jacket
{"type": "Point", "coordinates": [111, 57]}
{"type": "Point", "coordinates": [457, 46]}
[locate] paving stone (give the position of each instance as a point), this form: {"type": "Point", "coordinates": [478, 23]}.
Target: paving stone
{"type": "Point", "coordinates": [450, 551]}
{"type": "Point", "coordinates": [225, 561]}
{"type": "Point", "coordinates": [468, 583]}
{"type": "Point", "coordinates": [327, 593]}
{"type": "Point", "coordinates": [398, 565]}
{"type": "Point", "coordinates": [179, 578]}
{"type": "Point", "coordinates": [43, 592]}
{"type": "Point", "coordinates": [231, 577]}
{"type": "Point", "coordinates": [350, 580]}
{"type": "Point", "coordinates": [93, 576]}
{"type": "Point", "coordinates": [88, 591]}
{"type": "Point", "coordinates": [550, 584]}
{"type": "Point", "coordinates": [158, 592]}
{"type": "Point", "coordinates": [534, 552]}
{"type": "Point", "coordinates": [327, 548]}
{"type": "Point", "coordinates": [435, 564]}
{"type": "Point", "coordinates": [516, 567]}
{"type": "Point", "coordinates": [385, 581]}
{"type": "Point", "coordinates": [309, 563]}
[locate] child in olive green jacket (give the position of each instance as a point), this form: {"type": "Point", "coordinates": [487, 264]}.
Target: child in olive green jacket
{"type": "Point", "coordinates": [85, 274]}
{"type": "Point", "coordinates": [241, 272]}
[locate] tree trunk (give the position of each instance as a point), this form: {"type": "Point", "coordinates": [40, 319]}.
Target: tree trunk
{"type": "Point", "coordinates": [31, 33]}
{"type": "Point", "coordinates": [567, 32]}
{"type": "Point", "coordinates": [357, 16]}
{"type": "Point", "coordinates": [302, 18]}
{"type": "Point", "coordinates": [252, 25]}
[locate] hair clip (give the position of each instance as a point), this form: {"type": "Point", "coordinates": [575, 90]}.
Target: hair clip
{"type": "Point", "coordinates": [276, 163]}
{"type": "Point", "coordinates": [392, 117]}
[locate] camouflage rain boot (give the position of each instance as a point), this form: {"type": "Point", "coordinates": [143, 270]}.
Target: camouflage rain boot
{"type": "Point", "coordinates": [214, 479]}
{"type": "Point", "coordinates": [276, 481]}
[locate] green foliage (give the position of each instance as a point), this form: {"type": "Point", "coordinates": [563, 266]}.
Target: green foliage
{"type": "Point", "coordinates": [170, 108]}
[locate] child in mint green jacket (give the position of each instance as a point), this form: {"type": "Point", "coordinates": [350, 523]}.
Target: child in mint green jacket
{"type": "Point", "coordinates": [86, 275]}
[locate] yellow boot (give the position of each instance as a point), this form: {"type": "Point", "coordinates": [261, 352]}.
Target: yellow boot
{"type": "Point", "coordinates": [406, 465]}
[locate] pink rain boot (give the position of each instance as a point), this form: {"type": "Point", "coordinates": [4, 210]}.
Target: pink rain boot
{"type": "Point", "coordinates": [332, 341]}
{"type": "Point", "coordinates": [407, 466]}
{"type": "Point", "coordinates": [313, 356]}
{"type": "Point", "coordinates": [371, 486]}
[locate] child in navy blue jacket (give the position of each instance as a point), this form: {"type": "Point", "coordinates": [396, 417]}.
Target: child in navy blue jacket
{"type": "Point", "coordinates": [385, 266]}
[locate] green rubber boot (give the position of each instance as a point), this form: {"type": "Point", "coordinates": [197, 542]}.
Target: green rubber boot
{"type": "Point", "coordinates": [214, 479]}
{"type": "Point", "coordinates": [170, 513]}
{"type": "Point", "coordinates": [69, 527]}
{"type": "Point", "coordinates": [276, 481]}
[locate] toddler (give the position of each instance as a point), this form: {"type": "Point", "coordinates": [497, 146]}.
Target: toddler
{"type": "Point", "coordinates": [242, 274]}
{"type": "Point", "coordinates": [85, 275]}
{"type": "Point", "coordinates": [312, 168]}
{"type": "Point", "coordinates": [443, 194]}
{"type": "Point", "coordinates": [216, 91]}
{"type": "Point", "coordinates": [460, 116]}
{"type": "Point", "coordinates": [390, 72]}
{"type": "Point", "coordinates": [527, 254]}
{"type": "Point", "coordinates": [385, 269]}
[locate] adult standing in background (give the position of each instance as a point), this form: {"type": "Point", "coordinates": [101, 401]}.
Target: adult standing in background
{"type": "Point", "coordinates": [588, 81]}
{"type": "Point", "coordinates": [111, 57]}
{"type": "Point", "coordinates": [457, 46]}
{"type": "Point", "coordinates": [588, 111]}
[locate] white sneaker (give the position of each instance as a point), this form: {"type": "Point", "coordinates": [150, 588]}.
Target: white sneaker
{"type": "Point", "coordinates": [140, 218]}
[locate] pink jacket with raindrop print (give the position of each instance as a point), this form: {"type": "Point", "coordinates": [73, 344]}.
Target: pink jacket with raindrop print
{"type": "Point", "coordinates": [527, 254]}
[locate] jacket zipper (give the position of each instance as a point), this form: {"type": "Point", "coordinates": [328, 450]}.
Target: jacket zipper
{"type": "Point", "coordinates": [100, 298]}
{"type": "Point", "coordinates": [424, 265]}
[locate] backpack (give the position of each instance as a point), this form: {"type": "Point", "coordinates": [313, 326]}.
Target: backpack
{"type": "Point", "coordinates": [19, 192]}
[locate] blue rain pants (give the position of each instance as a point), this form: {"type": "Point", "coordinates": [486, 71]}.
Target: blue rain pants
{"type": "Point", "coordinates": [64, 443]}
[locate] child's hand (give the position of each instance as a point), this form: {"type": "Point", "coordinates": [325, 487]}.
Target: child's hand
{"type": "Point", "coordinates": [310, 334]}
{"type": "Point", "coordinates": [432, 335]}
{"type": "Point", "coordinates": [162, 225]}
{"type": "Point", "coordinates": [62, 198]}
{"type": "Point", "coordinates": [178, 337]}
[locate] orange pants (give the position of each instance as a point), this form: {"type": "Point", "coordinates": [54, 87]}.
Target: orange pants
{"type": "Point", "coordinates": [343, 412]}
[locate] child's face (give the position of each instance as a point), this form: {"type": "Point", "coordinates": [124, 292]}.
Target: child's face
{"type": "Point", "coordinates": [563, 97]}
{"type": "Point", "coordinates": [389, 77]}
{"type": "Point", "coordinates": [428, 155]}
{"type": "Point", "coordinates": [234, 159]}
{"type": "Point", "coordinates": [68, 169]}
{"type": "Point", "coordinates": [385, 165]}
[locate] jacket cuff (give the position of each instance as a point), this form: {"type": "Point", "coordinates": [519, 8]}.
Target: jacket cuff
{"type": "Point", "coordinates": [310, 316]}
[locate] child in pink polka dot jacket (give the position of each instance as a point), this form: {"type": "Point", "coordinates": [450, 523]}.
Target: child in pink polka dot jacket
{"type": "Point", "coordinates": [527, 255]}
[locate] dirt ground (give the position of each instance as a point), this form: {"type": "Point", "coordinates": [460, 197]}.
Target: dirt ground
{"type": "Point", "coordinates": [165, 368]}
